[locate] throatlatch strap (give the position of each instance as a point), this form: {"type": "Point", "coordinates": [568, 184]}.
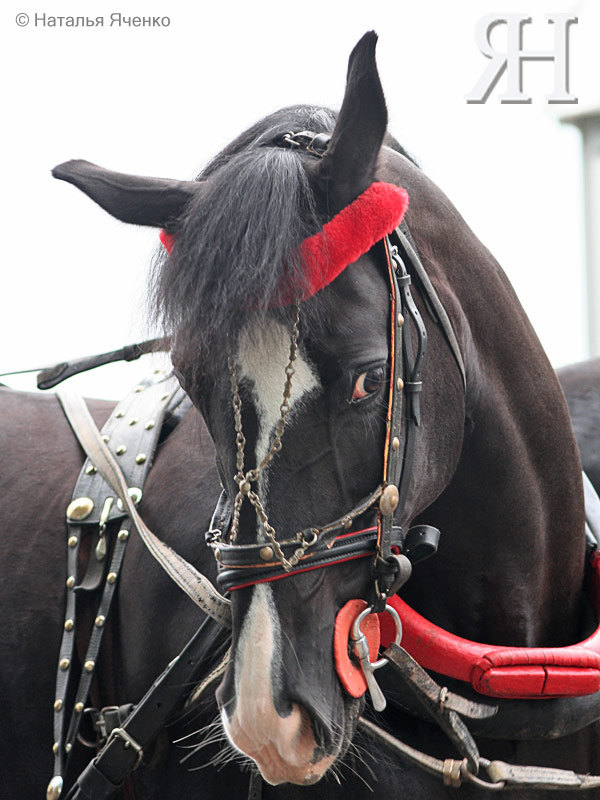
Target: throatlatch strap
{"type": "Point", "coordinates": [402, 233]}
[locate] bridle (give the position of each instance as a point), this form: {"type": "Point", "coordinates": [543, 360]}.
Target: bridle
{"type": "Point", "coordinates": [315, 547]}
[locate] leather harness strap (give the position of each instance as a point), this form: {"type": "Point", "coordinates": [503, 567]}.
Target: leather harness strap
{"type": "Point", "coordinates": [186, 576]}
{"type": "Point", "coordinates": [49, 377]}
{"type": "Point", "coordinates": [124, 750]}
{"type": "Point", "coordinates": [134, 426]}
{"type": "Point", "coordinates": [430, 296]}
{"type": "Point", "coordinates": [455, 773]}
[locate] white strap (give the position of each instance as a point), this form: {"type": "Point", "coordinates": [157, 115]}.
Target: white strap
{"type": "Point", "coordinates": [187, 577]}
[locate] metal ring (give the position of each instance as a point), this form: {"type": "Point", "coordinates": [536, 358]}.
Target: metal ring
{"type": "Point", "coordinates": [312, 541]}
{"type": "Point", "coordinates": [357, 633]}
{"type": "Point", "coordinates": [490, 786]}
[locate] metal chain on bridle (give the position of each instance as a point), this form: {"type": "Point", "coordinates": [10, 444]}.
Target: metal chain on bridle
{"type": "Point", "coordinates": [244, 480]}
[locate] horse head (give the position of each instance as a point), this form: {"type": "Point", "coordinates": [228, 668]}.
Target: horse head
{"type": "Point", "coordinates": [285, 347]}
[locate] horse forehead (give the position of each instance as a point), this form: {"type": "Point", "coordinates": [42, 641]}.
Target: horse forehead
{"type": "Point", "coordinates": [263, 354]}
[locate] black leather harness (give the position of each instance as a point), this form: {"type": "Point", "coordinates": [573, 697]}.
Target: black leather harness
{"type": "Point", "coordinates": [94, 514]}
{"type": "Point", "coordinates": [242, 565]}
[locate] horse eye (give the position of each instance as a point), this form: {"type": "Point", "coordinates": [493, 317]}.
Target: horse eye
{"type": "Point", "coordinates": [368, 383]}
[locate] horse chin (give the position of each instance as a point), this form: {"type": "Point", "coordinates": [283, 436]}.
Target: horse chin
{"type": "Point", "coordinates": [293, 756]}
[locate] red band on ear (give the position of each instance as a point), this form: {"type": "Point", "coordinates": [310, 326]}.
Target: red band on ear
{"type": "Point", "coordinates": [167, 239]}
{"type": "Point", "coordinates": [375, 213]}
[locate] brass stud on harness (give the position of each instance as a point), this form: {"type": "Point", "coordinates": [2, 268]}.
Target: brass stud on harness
{"type": "Point", "coordinates": [111, 577]}
{"type": "Point", "coordinates": [64, 664]}
{"type": "Point", "coordinates": [70, 582]}
{"type": "Point", "coordinates": [58, 704]}
{"type": "Point", "coordinates": [123, 535]}
{"type": "Point", "coordinates": [99, 621]}
{"type": "Point", "coordinates": [79, 707]}
{"type": "Point", "coordinates": [395, 443]}
{"type": "Point", "coordinates": [69, 624]}
{"type": "Point", "coordinates": [138, 389]}
{"type": "Point", "coordinates": [90, 469]}
{"type": "Point", "coordinates": [266, 553]}
{"type": "Point", "coordinates": [89, 666]}
{"type": "Point", "coordinates": [100, 551]}
{"type": "Point", "coordinates": [140, 458]}
{"type": "Point", "coordinates": [55, 750]}
{"type": "Point", "coordinates": [149, 425]}
{"type": "Point", "coordinates": [133, 421]}
{"type": "Point", "coordinates": [389, 500]}
{"type": "Point", "coordinates": [399, 384]}
{"type": "Point", "coordinates": [56, 784]}
{"type": "Point", "coordinates": [80, 508]}
{"type": "Point", "coordinates": [121, 449]}
{"type": "Point", "coordinates": [68, 747]}
{"type": "Point", "coordinates": [136, 495]}
{"type": "Point", "coordinates": [105, 439]}
{"type": "Point", "coordinates": [400, 320]}
{"type": "Point", "coordinates": [72, 541]}
{"type": "Point", "coordinates": [119, 414]}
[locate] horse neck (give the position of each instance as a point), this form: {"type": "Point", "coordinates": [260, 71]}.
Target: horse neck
{"type": "Point", "coordinates": [510, 565]}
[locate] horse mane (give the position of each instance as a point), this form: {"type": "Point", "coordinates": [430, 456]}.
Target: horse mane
{"type": "Point", "coordinates": [235, 242]}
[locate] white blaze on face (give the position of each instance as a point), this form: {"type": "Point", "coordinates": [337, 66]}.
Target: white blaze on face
{"type": "Point", "coordinates": [263, 355]}
{"type": "Point", "coordinates": [283, 747]}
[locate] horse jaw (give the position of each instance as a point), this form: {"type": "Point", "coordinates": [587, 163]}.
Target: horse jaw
{"type": "Point", "coordinates": [283, 747]}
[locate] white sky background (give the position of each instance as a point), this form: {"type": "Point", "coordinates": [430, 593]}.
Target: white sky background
{"type": "Point", "coordinates": [162, 101]}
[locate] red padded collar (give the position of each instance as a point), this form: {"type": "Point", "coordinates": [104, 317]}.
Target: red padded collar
{"type": "Point", "coordinates": [518, 672]}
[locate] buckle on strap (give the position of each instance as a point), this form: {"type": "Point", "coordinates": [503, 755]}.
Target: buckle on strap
{"type": "Point", "coordinates": [315, 143]}
{"type": "Point", "coordinates": [128, 742]}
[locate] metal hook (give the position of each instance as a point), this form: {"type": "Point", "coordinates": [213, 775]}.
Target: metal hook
{"type": "Point", "coordinates": [361, 648]}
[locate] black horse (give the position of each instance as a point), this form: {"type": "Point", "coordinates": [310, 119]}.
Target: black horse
{"type": "Point", "coordinates": [495, 468]}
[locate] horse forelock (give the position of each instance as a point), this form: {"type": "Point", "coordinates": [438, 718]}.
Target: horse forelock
{"type": "Point", "coordinates": [236, 242]}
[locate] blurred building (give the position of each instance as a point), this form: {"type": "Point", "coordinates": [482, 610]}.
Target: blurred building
{"type": "Point", "coordinates": [588, 123]}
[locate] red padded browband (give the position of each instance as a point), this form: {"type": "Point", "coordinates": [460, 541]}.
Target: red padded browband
{"type": "Point", "coordinates": [374, 214]}
{"type": "Point", "coordinates": [518, 672]}
{"type": "Point", "coordinates": [167, 240]}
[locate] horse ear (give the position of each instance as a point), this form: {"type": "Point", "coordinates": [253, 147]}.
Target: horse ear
{"type": "Point", "coordinates": [157, 202]}
{"type": "Point", "coordinates": [348, 166]}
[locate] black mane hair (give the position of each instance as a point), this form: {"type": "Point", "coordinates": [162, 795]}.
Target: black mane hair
{"type": "Point", "coordinates": [234, 245]}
